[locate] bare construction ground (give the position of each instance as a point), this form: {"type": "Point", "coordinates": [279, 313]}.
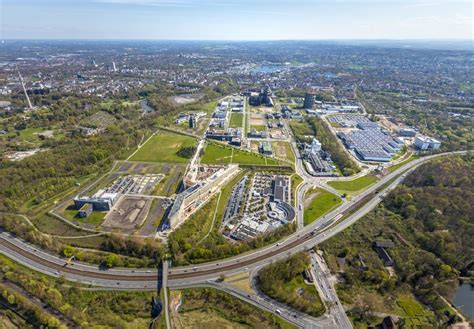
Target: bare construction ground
{"type": "Point", "coordinates": [186, 98]}
{"type": "Point", "coordinates": [128, 214]}
{"type": "Point", "coordinates": [153, 220]}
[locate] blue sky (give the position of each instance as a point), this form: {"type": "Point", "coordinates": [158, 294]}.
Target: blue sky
{"type": "Point", "coordinates": [236, 19]}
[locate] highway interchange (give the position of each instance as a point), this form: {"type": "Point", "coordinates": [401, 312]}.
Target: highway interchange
{"type": "Point", "coordinates": [305, 238]}
{"type": "Point", "coordinates": [210, 274]}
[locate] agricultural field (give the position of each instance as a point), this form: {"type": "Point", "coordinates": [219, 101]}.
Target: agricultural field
{"type": "Point", "coordinates": [236, 120]}
{"type": "Point", "coordinates": [317, 203]}
{"type": "Point", "coordinates": [220, 154]}
{"type": "Point", "coordinates": [353, 186]}
{"type": "Point", "coordinates": [162, 147]}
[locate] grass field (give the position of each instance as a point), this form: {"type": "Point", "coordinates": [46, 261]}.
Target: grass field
{"type": "Point", "coordinates": [163, 147]}
{"type": "Point", "coordinates": [320, 204]}
{"type": "Point", "coordinates": [404, 162]}
{"type": "Point", "coordinates": [295, 181]}
{"type": "Point", "coordinates": [236, 120]}
{"type": "Point", "coordinates": [220, 154]}
{"type": "Point", "coordinates": [95, 218]}
{"type": "Point", "coordinates": [258, 127]}
{"type": "Point", "coordinates": [353, 186]}
{"type": "Point", "coordinates": [210, 308]}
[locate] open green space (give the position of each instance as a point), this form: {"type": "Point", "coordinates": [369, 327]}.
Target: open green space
{"type": "Point", "coordinates": [295, 181]}
{"type": "Point", "coordinates": [96, 218]}
{"type": "Point", "coordinates": [284, 282]}
{"type": "Point", "coordinates": [163, 147]}
{"type": "Point", "coordinates": [353, 186]}
{"type": "Point", "coordinates": [211, 308]}
{"type": "Point", "coordinates": [220, 154]}
{"type": "Point", "coordinates": [412, 312]}
{"type": "Point", "coordinates": [394, 167]}
{"type": "Point", "coordinates": [320, 202]}
{"type": "Point", "coordinates": [258, 127]}
{"type": "Point", "coordinates": [236, 120]}
{"type": "Point", "coordinates": [76, 306]}
{"type": "Point", "coordinates": [423, 271]}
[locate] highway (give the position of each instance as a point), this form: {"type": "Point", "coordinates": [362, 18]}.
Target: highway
{"type": "Point", "coordinates": [327, 292]}
{"type": "Point", "coordinates": [303, 239]}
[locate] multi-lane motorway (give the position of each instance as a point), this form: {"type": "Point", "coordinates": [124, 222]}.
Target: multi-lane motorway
{"type": "Point", "coordinates": [303, 239]}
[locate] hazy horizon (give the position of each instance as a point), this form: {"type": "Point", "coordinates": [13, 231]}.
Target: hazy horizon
{"type": "Point", "coordinates": [232, 20]}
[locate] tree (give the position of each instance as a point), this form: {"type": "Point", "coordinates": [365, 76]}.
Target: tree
{"type": "Point", "coordinates": [68, 251]}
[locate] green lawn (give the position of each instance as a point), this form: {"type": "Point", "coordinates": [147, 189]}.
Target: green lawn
{"type": "Point", "coordinates": [321, 204]}
{"type": "Point", "coordinates": [96, 218]}
{"type": "Point", "coordinates": [163, 147]}
{"type": "Point", "coordinates": [353, 186]}
{"type": "Point", "coordinates": [295, 181]}
{"type": "Point", "coordinates": [258, 127]}
{"type": "Point", "coordinates": [404, 162]}
{"type": "Point", "coordinates": [220, 154]}
{"type": "Point", "coordinates": [236, 120]}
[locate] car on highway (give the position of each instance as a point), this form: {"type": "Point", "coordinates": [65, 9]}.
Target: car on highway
{"type": "Point", "coordinates": [277, 311]}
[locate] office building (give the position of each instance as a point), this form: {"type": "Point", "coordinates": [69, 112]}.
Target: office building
{"type": "Point", "coordinates": [423, 143]}
{"type": "Point", "coordinates": [308, 101]}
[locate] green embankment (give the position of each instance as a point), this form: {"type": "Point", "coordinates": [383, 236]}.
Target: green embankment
{"type": "Point", "coordinates": [321, 203]}
{"type": "Point", "coordinates": [353, 186]}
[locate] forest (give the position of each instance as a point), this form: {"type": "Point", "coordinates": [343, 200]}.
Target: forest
{"type": "Point", "coordinates": [429, 219]}
{"type": "Point", "coordinates": [283, 281]}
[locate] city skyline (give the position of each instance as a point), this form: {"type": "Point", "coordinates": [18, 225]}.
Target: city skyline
{"type": "Point", "coordinates": [236, 20]}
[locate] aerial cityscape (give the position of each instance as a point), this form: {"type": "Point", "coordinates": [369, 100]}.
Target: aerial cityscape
{"type": "Point", "coordinates": [213, 176]}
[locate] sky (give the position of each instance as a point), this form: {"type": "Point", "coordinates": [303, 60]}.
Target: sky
{"type": "Point", "coordinates": [237, 19]}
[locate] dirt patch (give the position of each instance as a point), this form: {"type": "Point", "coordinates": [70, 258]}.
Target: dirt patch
{"type": "Point", "coordinates": [153, 219]}
{"type": "Point", "coordinates": [280, 150]}
{"type": "Point", "coordinates": [129, 213]}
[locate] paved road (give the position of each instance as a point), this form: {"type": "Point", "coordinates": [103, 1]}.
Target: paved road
{"type": "Point", "coordinates": [142, 279]}
{"type": "Point", "coordinates": [327, 292]}
{"type": "Point", "coordinates": [300, 240]}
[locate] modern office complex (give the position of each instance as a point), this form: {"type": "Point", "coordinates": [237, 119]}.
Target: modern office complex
{"type": "Point", "coordinates": [423, 143]}
{"type": "Point", "coordinates": [195, 196]}
{"type": "Point", "coordinates": [308, 101]}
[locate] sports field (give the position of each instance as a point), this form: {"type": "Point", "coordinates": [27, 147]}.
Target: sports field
{"type": "Point", "coordinates": [318, 202]}
{"type": "Point", "coordinates": [220, 154]}
{"type": "Point", "coordinates": [353, 186]}
{"type": "Point", "coordinates": [163, 147]}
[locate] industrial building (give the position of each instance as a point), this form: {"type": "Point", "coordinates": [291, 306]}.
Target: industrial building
{"type": "Point", "coordinates": [371, 143]}
{"type": "Point", "coordinates": [423, 143]}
